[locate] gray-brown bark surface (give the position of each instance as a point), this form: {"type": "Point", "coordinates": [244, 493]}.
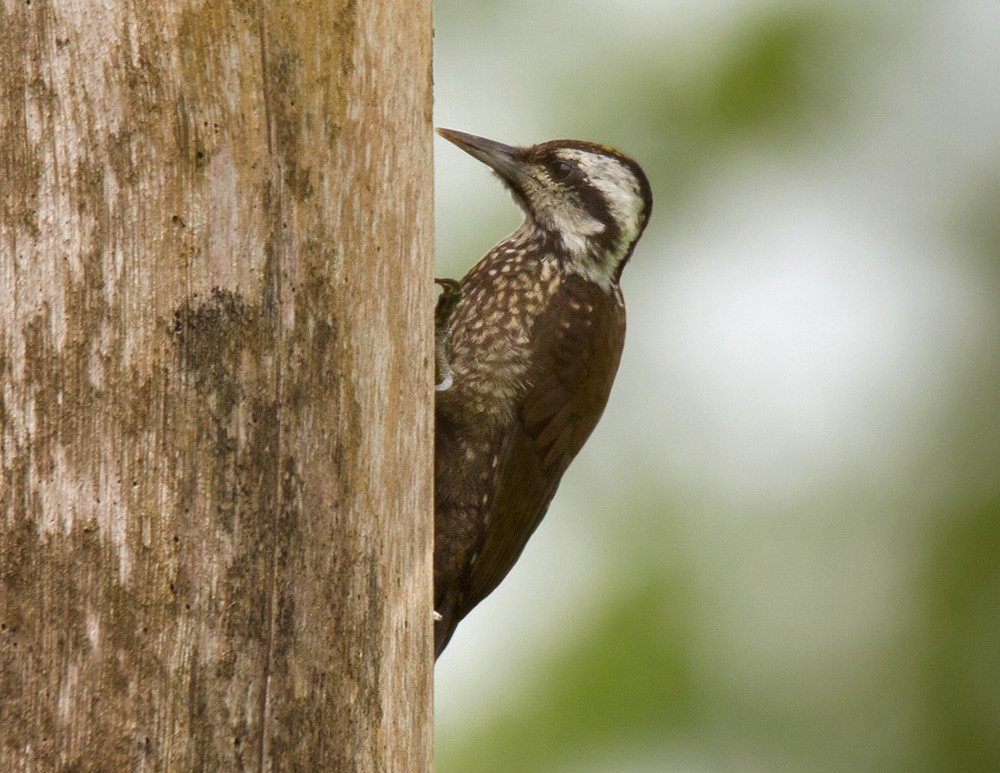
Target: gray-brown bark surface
{"type": "Point", "coordinates": [215, 479]}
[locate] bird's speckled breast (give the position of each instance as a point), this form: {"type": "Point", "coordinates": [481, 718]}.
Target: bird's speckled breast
{"type": "Point", "coordinates": [492, 327]}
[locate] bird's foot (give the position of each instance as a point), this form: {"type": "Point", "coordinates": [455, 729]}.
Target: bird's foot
{"type": "Point", "coordinates": [451, 294]}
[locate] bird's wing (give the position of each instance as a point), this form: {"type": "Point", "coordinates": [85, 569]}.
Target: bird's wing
{"type": "Point", "coordinates": [579, 341]}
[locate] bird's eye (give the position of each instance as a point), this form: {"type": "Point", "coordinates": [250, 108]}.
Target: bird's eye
{"type": "Point", "coordinates": [562, 170]}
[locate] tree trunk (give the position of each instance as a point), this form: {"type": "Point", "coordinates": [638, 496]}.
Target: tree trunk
{"type": "Point", "coordinates": [215, 329]}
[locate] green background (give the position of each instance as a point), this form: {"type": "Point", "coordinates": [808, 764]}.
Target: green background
{"type": "Point", "coordinates": [781, 548]}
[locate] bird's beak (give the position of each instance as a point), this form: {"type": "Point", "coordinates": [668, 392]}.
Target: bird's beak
{"type": "Point", "coordinates": [505, 160]}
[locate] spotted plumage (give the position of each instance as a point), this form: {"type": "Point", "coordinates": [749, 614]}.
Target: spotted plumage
{"type": "Point", "coordinates": [531, 341]}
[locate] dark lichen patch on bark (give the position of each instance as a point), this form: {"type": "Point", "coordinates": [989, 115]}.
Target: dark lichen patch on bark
{"type": "Point", "coordinates": [25, 90]}
{"type": "Point", "coordinates": [226, 351]}
{"type": "Point", "coordinates": [212, 338]}
{"type": "Point", "coordinates": [99, 641]}
{"type": "Point", "coordinates": [285, 72]}
{"type": "Point", "coordinates": [305, 101]}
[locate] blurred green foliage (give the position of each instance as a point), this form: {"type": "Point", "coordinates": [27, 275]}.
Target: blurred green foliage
{"type": "Point", "coordinates": [630, 691]}
{"type": "Point", "coordinates": [774, 80]}
{"type": "Point", "coordinates": [959, 637]}
{"type": "Point", "coordinates": [626, 678]}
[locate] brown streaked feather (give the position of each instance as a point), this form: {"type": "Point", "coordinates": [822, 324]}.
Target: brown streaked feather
{"type": "Point", "coordinates": [568, 387]}
{"type": "Point", "coordinates": [459, 515]}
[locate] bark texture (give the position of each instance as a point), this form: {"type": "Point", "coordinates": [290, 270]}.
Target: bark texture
{"type": "Point", "coordinates": [215, 329]}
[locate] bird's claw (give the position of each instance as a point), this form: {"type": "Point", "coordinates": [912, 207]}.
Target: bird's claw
{"type": "Point", "coordinates": [451, 294]}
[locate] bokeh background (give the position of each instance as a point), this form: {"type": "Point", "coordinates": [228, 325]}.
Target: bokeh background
{"type": "Point", "coordinates": [780, 550]}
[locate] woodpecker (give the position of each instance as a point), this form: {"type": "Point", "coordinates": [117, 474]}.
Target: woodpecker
{"type": "Point", "coordinates": [528, 344]}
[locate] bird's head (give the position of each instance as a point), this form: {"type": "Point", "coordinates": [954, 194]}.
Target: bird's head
{"type": "Point", "coordinates": [591, 200]}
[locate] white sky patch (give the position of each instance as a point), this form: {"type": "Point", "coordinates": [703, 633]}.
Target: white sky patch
{"type": "Point", "coordinates": [794, 336]}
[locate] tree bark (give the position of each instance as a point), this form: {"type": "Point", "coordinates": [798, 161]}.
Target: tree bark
{"type": "Point", "coordinates": [215, 338]}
